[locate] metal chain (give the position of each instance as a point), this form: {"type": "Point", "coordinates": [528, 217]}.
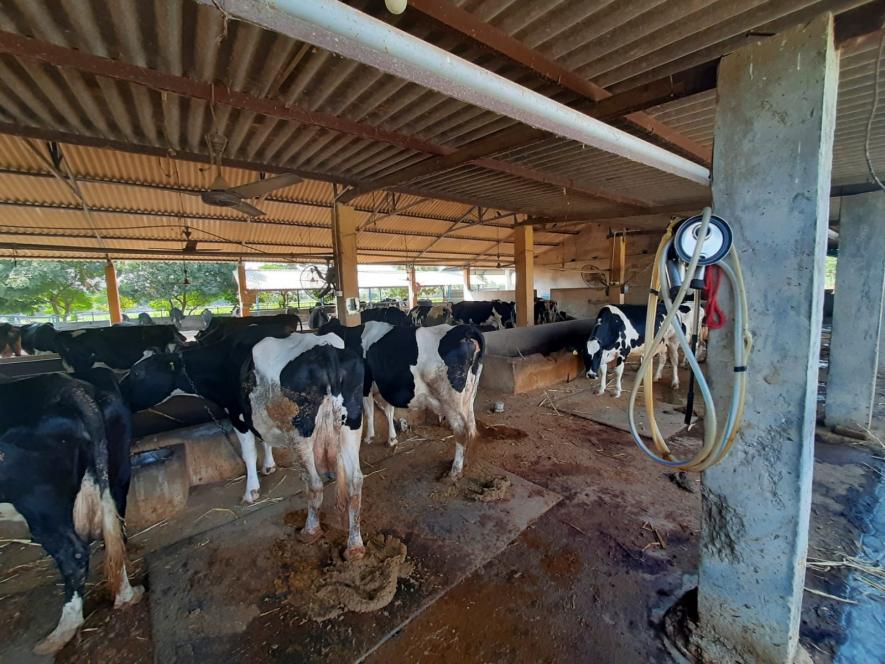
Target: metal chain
{"type": "Point", "coordinates": [208, 410]}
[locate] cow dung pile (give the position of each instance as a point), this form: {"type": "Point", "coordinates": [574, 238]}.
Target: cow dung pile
{"type": "Point", "coordinates": [362, 586]}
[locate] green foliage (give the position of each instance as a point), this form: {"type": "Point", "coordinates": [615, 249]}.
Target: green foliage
{"type": "Point", "coordinates": [830, 276]}
{"type": "Point", "coordinates": [29, 286]}
{"type": "Point", "coordinates": [161, 284]}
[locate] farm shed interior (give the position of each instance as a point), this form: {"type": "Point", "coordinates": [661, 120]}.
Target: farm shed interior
{"type": "Point", "coordinates": [114, 116]}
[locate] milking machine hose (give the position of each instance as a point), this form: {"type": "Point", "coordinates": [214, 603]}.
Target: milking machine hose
{"type": "Point", "coordinates": [716, 442]}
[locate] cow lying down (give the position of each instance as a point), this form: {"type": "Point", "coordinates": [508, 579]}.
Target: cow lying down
{"type": "Point", "coordinates": [300, 391]}
{"type": "Point", "coordinates": [64, 466]}
{"type": "Point", "coordinates": [618, 331]}
{"type": "Point", "coordinates": [437, 368]}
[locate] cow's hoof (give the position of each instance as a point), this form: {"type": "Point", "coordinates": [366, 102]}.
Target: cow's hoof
{"type": "Point", "coordinates": [675, 386]}
{"type": "Point", "coordinates": [599, 393]}
{"type": "Point", "coordinates": [617, 395]}
{"type": "Point", "coordinates": [367, 440]}
{"type": "Point", "coordinates": [391, 442]}
{"type": "Point", "coordinates": [307, 537]}
{"type": "Point", "coordinates": [135, 595]}
{"type": "Point", "coordinates": [269, 470]}
{"type": "Point", "coordinates": [250, 496]}
{"type": "Point", "coordinates": [355, 553]}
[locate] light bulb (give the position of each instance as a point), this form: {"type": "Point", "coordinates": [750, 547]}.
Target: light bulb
{"type": "Point", "coordinates": [395, 6]}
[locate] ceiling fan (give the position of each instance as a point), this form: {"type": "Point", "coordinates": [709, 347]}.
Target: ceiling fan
{"type": "Point", "coordinates": [221, 194]}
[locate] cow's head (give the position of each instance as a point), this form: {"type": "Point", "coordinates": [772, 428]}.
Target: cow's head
{"type": "Point", "coordinates": [75, 354]}
{"type": "Point", "coordinates": [10, 340]}
{"type": "Point", "coordinates": [608, 329]}
{"type": "Point", "coordinates": [153, 379]}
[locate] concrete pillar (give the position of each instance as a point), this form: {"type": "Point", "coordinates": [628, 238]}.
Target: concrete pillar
{"type": "Point", "coordinates": [857, 312]}
{"type": "Point", "coordinates": [771, 180]}
{"type": "Point", "coordinates": [243, 294]}
{"type": "Point", "coordinates": [468, 291]}
{"type": "Point", "coordinates": [524, 249]}
{"type": "Point", "coordinates": [347, 297]}
{"type": "Point", "coordinates": [617, 268]}
{"type": "Point", "coordinates": [110, 279]}
{"type": "Point", "coordinates": [414, 288]}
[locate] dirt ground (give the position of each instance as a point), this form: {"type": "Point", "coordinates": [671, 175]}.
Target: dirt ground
{"type": "Point", "coordinates": [583, 583]}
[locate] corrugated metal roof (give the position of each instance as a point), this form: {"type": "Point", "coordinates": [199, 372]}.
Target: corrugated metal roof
{"type": "Point", "coordinates": [617, 45]}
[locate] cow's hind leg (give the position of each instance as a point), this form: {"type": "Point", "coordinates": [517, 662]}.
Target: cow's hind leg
{"type": "Point", "coordinates": [389, 412]}
{"type": "Point", "coordinates": [350, 489]}
{"type": "Point", "coordinates": [53, 527]}
{"type": "Point", "coordinates": [250, 457]}
{"type": "Point", "coordinates": [268, 466]}
{"type": "Point", "coordinates": [311, 531]}
{"type": "Point", "coordinates": [369, 407]}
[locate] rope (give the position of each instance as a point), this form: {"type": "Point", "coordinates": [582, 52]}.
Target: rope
{"type": "Point", "coordinates": [716, 318]}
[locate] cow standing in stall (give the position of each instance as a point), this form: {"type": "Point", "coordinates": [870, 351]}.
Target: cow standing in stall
{"type": "Point", "coordinates": [428, 315]}
{"type": "Point", "coordinates": [114, 347]}
{"type": "Point", "coordinates": [493, 315]}
{"type": "Point", "coordinates": [617, 332]}
{"type": "Point", "coordinates": [301, 391]}
{"type": "Point", "coordinates": [64, 466]}
{"type": "Point", "coordinates": [437, 368]}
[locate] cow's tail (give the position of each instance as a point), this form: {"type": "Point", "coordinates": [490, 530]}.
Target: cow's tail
{"type": "Point", "coordinates": [474, 337]}
{"type": "Point", "coordinates": [111, 524]}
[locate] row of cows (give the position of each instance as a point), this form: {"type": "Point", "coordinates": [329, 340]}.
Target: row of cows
{"type": "Point", "coordinates": [65, 438]}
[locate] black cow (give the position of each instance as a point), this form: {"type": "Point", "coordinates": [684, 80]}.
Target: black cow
{"type": "Point", "coordinates": [144, 318]}
{"type": "Point", "coordinates": [38, 338]}
{"type": "Point", "coordinates": [64, 466]}
{"type": "Point", "coordinates": [391, 315]}
{"type": "Point", "coordinates": [430, 367]}
{"type": "Point", "coordinates": [10, 340]}
{"type": "Point", "coordinates": [618, 331]}
{"type": "Point", "coordinates": [115, 347]}
{"type": "Point", "coordinates": [493, 315]}
{"type": "Point", "coordinates": [219, 327]}
{"type": "Point", "coordinates": [301, 391]}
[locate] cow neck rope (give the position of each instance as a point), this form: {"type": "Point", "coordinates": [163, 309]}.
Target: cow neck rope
{"type": "Point", "coordinates": [208, 410]}
{"type": "Point", "coordinates": [716, 443]}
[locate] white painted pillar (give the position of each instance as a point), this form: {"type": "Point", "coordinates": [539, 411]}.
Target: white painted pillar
{"type": "Point", "coordinates": [857, 312]}
{"type": "Point", "coordinates": [771, 179]}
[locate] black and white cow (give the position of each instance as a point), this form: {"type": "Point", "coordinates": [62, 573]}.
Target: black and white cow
{"type": "Point", "coordinates": [114, 347]}
{"type": "Point", "coordinates": [428, 315]}
{"type": "Point", "coordinates": [546, 311]}
{"type": "Point", "coordinates": [10, 340]}
{"type": "Point", "coordinates": [301, 391]}
{"type": "Point", "coordinates": [618, 331]}
{"type": "Point", "coordinates": [392, 315]}
{"type": "Point", "coordinates": [38, 338]}
{"type": "Point", "coordinates": [494, 315]}
{"type": "Point", "coordinates": [221, 326]}
{"type": "Point", "coordinates": [64, 466]}
{"type": "Point", "coordinates": [437, 368]}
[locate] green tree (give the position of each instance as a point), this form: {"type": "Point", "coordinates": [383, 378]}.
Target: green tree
{"type": "Point", "coordinates": [162, 284]}
{"type": "Point", "coordinates": [61, 287]}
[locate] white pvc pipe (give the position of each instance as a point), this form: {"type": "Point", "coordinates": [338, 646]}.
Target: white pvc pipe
{"type": "Point", "coordinates": [336, 27]}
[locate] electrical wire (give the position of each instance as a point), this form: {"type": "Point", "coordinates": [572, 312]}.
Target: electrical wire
{"type": "Point", "coordinates": [866, 144]}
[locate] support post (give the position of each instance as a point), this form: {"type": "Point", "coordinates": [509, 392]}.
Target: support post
{"type": "Point", "coordinates": [243, 291]}
{"type": "Point", "coordinates": [468, 291]}
{"type": "Point", "coordinates": [882, 343]}
{"type": "Point", "coordinates": [772, 162]}
{"type": "Point", "coordinates": [617, 268]}
{"type": "Point", "coordinates": [347, 297]}
{"type": "Point", "coordinates": [110, 279]}
{"type": "Point", "coordinates": [857, 312]}
{"type": "Point", "coordinates": [524, 250]}
{"type": "Point", "coordinates": [414, 288]}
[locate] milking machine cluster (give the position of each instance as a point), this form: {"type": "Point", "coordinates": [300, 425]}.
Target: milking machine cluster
{"type": "Point", "coordinates": [693, 255]}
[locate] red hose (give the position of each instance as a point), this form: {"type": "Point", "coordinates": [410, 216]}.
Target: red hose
{"type": "Point", "coordinates": [715, 316]}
